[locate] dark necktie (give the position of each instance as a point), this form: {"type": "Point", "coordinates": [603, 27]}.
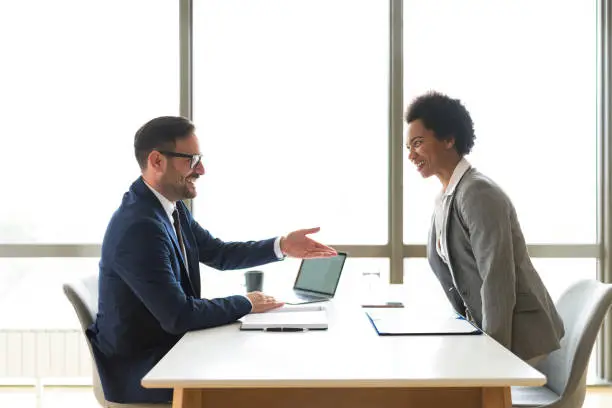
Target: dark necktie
{"type": "Point", "coordinates": [179, 235]}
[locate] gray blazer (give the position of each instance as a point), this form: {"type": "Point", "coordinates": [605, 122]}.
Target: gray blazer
{"type": "Point", "coordinates": [497, 286]}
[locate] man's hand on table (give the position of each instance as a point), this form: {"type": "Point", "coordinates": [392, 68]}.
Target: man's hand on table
{"type": "Point", "coordinates": [262, 303]}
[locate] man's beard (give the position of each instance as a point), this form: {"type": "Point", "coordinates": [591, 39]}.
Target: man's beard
{"type": "Point", "coordinates": [179, 188]}
{"type": "Point", "coordinates": [185, 192]}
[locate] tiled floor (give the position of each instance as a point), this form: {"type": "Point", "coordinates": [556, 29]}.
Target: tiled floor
{"type": "Point", "coordinates": [82, 397]}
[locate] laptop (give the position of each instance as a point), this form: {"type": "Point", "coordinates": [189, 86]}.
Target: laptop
{"type": "Point", "coordinates": [316, 281]}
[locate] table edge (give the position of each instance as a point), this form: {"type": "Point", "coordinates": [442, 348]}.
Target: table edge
{"type": "Point", "coordinates": [442, 383]}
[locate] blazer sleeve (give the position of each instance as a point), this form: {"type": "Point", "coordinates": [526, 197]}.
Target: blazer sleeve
{"type": "Point", "coordinates": [486, 212]}
{"type": "Point", "coordinates": [231, 255]}
{"type": "Point", "coordinates": [143, 261]}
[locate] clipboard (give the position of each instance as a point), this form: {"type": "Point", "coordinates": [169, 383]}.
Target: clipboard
{"type": "Point", "coordinates": [404, 324]}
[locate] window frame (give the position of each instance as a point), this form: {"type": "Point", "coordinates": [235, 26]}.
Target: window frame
{"type": "Point", "coordinates": [395, 249]}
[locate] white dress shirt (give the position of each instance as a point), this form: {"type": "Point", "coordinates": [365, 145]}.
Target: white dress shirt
{"type": "Point", "coordinates": [443, 201]}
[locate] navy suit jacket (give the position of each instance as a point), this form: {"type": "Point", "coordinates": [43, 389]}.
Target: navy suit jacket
{"type": "Point", "coordinates": [148, 299]}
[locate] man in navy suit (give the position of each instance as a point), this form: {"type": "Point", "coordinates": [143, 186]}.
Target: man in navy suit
{"type": "Point", "coordinates": [149, 293]}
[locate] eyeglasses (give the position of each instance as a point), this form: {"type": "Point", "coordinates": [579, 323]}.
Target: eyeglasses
{"type": "Point", "coordinates": [195, 159]}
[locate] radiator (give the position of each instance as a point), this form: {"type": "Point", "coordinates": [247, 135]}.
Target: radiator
{"type": "Point", "coordinates": [44, 354]}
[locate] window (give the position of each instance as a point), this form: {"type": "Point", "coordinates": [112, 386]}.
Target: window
{"type": "Point", "coordinates": [290, 104]}
{"type": "Point", "coordinates": [291, 109]}
{"type": "Point", "coordinates": [531, 92]}
{"type": "Point", "coordinates": [31, 294]}
{"type": "Point", "coordinates": [72, 99]}
{"type": "Point", "coordinates": [75, 93]}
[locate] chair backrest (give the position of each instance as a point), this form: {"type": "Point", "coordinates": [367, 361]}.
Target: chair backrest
{"type": "Point", "coordinates": [83, 295]}
{"type": "Point", "coordinates": [582, 308]}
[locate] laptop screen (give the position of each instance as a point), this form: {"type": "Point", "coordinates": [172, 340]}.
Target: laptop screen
{"type": "Point", "coordinates": [320, 275]}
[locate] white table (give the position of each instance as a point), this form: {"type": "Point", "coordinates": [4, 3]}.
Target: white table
{"type": "Point", "coordinates": [348, 365]}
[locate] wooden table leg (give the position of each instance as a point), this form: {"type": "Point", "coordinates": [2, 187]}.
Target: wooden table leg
{"type": "Point", "coordinates": [187, 398]}
{"type": "Point", "coordinates": [493, 397]}
{"type": "Point", "coordinates": [498, 397]}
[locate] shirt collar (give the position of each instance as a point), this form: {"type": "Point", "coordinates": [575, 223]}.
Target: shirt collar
{"type": "Point", "coordinates": [168, 205]}
{"type": "Point", "coordinates": [459, 171]}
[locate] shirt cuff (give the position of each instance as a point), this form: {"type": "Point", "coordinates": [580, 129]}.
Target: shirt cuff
{"type": "Point", "coordinates": [277, 249]}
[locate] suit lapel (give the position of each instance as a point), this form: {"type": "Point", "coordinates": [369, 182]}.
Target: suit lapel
{"type": "Point", "coordinates": [193, 279]}
{"type": "Point", "coordinates": [140, 189]}
{"type": "Point", "coordinates": [433, 253]}
{"type": "Point", "coordinates": [432, 249]}
{"type": "Point", "coordinates": [444, 229]}
{"type": "Point", "coordinates": [445, 233]}
{"type": "Point", "coordinates": [177, 247]}
{"type": "Point", "coordinates": [448, 213]}
{"type": "Point", "coordinates": [444, 273]}
{"type": "Point", "coordinates": [192, 261]}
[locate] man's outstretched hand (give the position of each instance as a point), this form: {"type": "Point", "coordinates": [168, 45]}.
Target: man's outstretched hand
{"type": "Point", "coordinates": [297, 245]}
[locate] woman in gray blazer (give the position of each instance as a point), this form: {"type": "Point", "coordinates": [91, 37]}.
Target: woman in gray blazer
{"type": "Point", "coordinates": [476, 247]}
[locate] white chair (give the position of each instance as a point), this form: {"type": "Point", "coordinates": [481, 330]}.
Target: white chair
{"type": "Point", "coordinates": [83, 295]}
{"type": "Point", "coordinates": [582, 307]}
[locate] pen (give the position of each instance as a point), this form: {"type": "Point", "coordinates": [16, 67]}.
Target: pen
{"type": "Point", "coordinates": [285, 329]}
{"type": "Point", "coordinates": [388, 305]}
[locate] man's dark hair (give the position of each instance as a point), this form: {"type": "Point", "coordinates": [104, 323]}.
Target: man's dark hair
{"type": "Point", "coordinates": [160, 133]}
{"type": "Point", "coordinates": [446, 117]}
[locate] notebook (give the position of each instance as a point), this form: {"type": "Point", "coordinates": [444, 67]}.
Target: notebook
{"type": "Point", "coordinates": [298, 308]}
{"type": "Point", "coordinates": [397, 322]}
{"type": "Point", "coordinates": [287, 319]}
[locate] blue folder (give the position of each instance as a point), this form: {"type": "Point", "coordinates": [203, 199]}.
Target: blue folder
{"type": "Point", "coordinates": [403, 324]}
